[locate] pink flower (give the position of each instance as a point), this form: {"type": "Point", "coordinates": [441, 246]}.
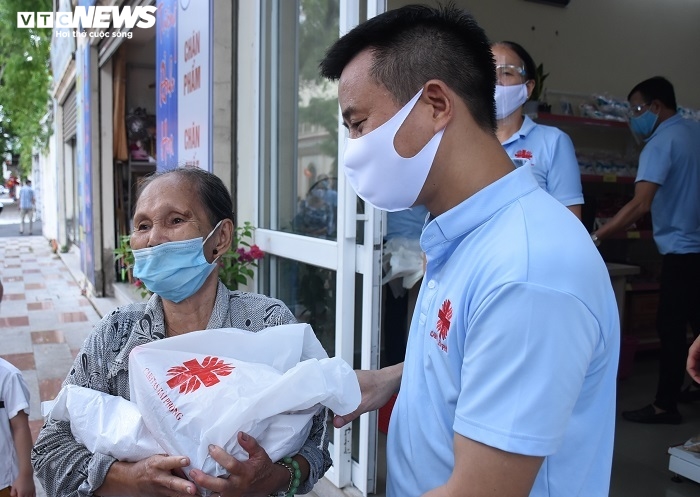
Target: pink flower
{"type": "Point", "coordinates": [256, 253]}
{"type": "Point", "coordinates": [250, 255]}
{"type": "Point", "coordinates": [243, 256]}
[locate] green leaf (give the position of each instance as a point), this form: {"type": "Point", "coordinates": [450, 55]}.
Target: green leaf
{"type": "Point", "coordinates": [25, 82]}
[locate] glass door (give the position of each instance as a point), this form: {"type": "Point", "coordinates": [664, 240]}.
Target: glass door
{"type": "Point", "coordinates": [324, 248]}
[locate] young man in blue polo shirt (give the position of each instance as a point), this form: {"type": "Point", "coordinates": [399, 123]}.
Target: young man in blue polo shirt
{"type": "Point", "coordinates": [508, 387]}
{"type": "Point", "coordinates": [668, 184]}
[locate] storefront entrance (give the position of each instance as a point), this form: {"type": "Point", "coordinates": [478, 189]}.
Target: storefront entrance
{"type": "Point", "coordinates": [324, 244]}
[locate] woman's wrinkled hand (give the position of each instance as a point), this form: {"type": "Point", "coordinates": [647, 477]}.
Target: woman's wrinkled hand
{"type": "Point", "coordinates": [246, 478]}
{"type": "Point", "coordinates": [154, 476]}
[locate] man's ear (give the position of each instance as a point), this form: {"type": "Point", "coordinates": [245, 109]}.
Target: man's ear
{"type": "Point", "coordinates": [441, 98]}
{"type": "Point", "coordinates": [656, 106]}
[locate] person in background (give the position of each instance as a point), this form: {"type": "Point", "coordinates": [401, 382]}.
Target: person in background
{"type": "Point", "coordinates": [548, 150]}
{"type": "Point", "coordinates": [315, 215]}
{"type": "Point", "coordinates": [27, 203]}
{"type": "Point", "coordinates": [509, 381]}
{"type": "Point", "coordinates": [183, 222]}
{"type": "Point", "coordinates": [11, 185]}
{"type": "Point", "coordinates": [667, 184]}
{"type": "Point", "coordinates": [329, 192]}
{"type": "Point", "coordinates": [16, 475]}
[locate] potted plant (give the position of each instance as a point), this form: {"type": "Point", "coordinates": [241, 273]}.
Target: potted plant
{"type": "Point", "coordinates": [124, 258]}
{"type": "Point", "coordinates": [538, 91]}
{"type": "Point", "coordinates": [236, 265]}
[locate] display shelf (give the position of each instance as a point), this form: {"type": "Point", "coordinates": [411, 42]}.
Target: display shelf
{"type": "Point", "coordinates": [642, 300]}
{"type": "Point", "coordinates": [606, 178]}
{"type": "Point", "coordinates": [684, 463]}
{"type": "Point", "coordinates": [610, 152]}
{"type": "Point", "coordinates": [648, 342]}
{"type": "Point", "coordinates": [633, 235]}
{"type": "Point", "coordinates": [555, 119]}
{"type": "Point", "coordinates": [642, 286]}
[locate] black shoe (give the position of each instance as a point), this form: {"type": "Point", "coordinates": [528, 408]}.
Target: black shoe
{"type": "Point", "coordinates": [689, 394]}
{"type": "Point", "coordinates": [649, 415]}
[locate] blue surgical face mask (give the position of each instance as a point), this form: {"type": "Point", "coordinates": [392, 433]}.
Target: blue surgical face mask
{"type": "Point", "coordinates": [644, 125]}
{"type": "Point", "coordinates": [174, 270]}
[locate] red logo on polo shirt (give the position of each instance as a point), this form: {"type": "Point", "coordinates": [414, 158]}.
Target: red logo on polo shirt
{"type": "Point", "coordinates": [444, 317]}
{"type": "Point", "coordinates": [192, 375]}
{"type": "Point", "coordinates": [523, 154]}
{"type": "Point", "coordinates": [443, 325]}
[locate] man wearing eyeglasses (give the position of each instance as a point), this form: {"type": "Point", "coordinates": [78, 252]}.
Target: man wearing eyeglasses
{"type": "Point", "coordinates": [668, 185]}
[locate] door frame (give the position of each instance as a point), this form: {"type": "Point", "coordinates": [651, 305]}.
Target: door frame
{"type": "Point", "coordinates": [344, 255]}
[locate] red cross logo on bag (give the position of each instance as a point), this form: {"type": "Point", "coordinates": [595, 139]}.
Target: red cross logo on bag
{"type": "Point", "coordinates": [191, 375]}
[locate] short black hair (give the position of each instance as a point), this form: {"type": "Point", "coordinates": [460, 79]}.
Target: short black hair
{"type": "Point", "coordinates": [206, 186]}
{"type": "Point", "coordinates": [416, 43]}
{"type": "Point", "coordinates": [656, 88]}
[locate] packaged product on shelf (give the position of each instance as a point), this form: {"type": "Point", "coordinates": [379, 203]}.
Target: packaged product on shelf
{"type": "Point", "coordinates": [692, 444]}
{"type": "Point", "coordinates": [611, 107]}
{"type": "Point", "coordinates": [689, 113]}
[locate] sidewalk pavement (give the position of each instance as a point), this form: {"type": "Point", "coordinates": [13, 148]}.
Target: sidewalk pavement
{"type": "Point", "coordinates": [44, 318]}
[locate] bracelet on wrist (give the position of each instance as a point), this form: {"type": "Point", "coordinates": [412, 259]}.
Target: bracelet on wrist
{"type": "Point", "coordinates": [294, 475]}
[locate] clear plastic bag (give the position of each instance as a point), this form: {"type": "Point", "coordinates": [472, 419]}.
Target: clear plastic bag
{"type": "Point", "coordinates": [403, 260]}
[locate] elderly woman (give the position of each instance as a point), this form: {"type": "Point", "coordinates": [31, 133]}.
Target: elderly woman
{"type": "Point", "coordinates": [182, 224]}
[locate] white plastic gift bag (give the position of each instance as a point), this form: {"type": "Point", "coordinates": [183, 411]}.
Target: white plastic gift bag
{"type": "Point", "coordinates": [204, 387]}
{"type": "Point", "coordinates": [103, 423]}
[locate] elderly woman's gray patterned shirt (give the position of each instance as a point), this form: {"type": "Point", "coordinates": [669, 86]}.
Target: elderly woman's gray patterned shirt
{"type": "Point", "coordinates": [66, 468]}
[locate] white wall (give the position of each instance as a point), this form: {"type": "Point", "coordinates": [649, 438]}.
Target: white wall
{"type": "Point", "coordinates": [600, 45]}
{"type": "Point", "coordinates": [46, 183]}
{"type": "Point", "coordinates": [222, 91]}
{"type": "Point", "coordinates": [247, 97]}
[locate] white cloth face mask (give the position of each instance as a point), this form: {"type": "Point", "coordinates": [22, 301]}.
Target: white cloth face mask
{"type": "Point", "coordinates": [376, 171]}
{"type": "Point", "coordinates": [509, 99]}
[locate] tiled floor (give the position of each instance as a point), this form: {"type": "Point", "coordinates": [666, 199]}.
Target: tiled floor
{"type": "Point", "coordinates": [640, 460]}
{"type": "Point", "coordinates": [44, 320]}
